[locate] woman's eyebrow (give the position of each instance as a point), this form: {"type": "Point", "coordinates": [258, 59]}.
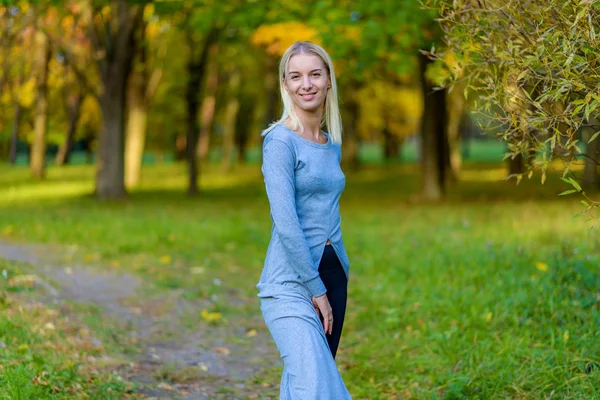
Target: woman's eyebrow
{"type": "Point", "coordinates": [296, 72]}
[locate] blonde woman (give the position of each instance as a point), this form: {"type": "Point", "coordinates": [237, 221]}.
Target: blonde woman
{"type": "Point", "coordinates": [303, 286]}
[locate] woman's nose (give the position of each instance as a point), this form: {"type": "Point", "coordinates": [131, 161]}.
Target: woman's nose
{"type": "Point", "coordinates": [306, 83]}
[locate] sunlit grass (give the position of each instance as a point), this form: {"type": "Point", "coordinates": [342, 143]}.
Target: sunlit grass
{"type": "Point", "coordinates": [43, 353]}
{"type": "Point", "coordinates": [490, 294]}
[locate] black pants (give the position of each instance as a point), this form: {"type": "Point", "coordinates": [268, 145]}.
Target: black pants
{"type": "Point", "coordinates": [334, 278]}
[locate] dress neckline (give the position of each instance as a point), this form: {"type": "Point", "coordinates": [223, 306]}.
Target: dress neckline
{"type": "Point", "coordinates": [310, 142]}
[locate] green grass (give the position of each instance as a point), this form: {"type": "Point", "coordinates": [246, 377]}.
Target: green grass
{"type": "Point", "coordinates": [43, 353]}
{"type": "Point", "coordinates": [493, 294]}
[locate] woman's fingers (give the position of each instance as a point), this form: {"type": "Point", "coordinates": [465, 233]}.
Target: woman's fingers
{"type": "Point", "coordinates": [322, 303]}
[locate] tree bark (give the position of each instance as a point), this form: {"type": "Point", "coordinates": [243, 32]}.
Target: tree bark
{"type": "Point", "coordinates": [115, 70]}
{"type": "Point", "coordinates": [135, 136]}
{"type": "Point", "coordinates": [351, 157]}
{"type": "Point", "coordinates": [242, 127]}
{"type": "Point", "coordinates": [196, 70]}
{"type": "Point", "coordinates": [434, 139]}
{"type": "Point", "coordinates": [207, 114]}
{"type": "Point", "coordinates": [456, 111]}
{"type": "Point", "coordinates": [74, 110]}
{"type": "Point", "coordinates": [140, 91]}
{"type": "Point", "coordinates": [231, 112]}
{"type": "Point", "coordinates": [38, 147]}
{"type": "Point", "coordinates": [14, 137]}
{"type": "Point", "coordinates": [516, 165]}
{"type": "Point", "coordinates": [271, 89]}
{"type": "Point", "coordinates": [391, 145]}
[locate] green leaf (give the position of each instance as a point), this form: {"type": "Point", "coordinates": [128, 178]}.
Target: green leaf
{"type": "Point", "coordinates": [594, 136]}
{"type": "Point", "coordinates": [575, 184]}
{"type": "Point", "coordinates": [566, 192]}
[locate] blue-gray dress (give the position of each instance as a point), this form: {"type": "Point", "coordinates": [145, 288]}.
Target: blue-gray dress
{"type": "Point", "coordinates": [304, 182]}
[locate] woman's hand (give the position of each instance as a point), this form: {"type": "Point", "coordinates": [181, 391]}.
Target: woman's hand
{"type": "Point", "coordinates": [323, 307]}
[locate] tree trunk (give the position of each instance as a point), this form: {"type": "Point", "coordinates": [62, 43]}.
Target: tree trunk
{"type": "Point", "coordinates": [207, 115]}
{"type": "Point", "coordinates": [74, 110]}
{"type": "Point", "coordinates": [271, 89]}
{"type": "Point", "coordinates": [391, 145]}
{"type": "Point", "coordinates": [242, 127]}
{"type": "Point", "coordinates": [591, 178]}
{"type": "Point", "coordinates": [115, 71]}
{"type": "Point", "coordinates": [14, 137]}
{"type": "Point", "coordinates": [135, 136]}
{"type": "Point", "coordinates": [434, 139]}
{"type": "Point", "coordinates": [38, 147]}
{"type": "Point", "coordinates": [196, 70]}
{"type": "Point", "coordinates": [456, 111]}
{"type": "Point", "coordinates": [351, 156]}
{"type": "Point", "coordinates": [231, 112]}
{"type": "Point", "coordinates": [516, 165]}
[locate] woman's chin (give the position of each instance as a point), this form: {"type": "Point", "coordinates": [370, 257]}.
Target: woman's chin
{"type": "Point", "coordinates": [309, 108]}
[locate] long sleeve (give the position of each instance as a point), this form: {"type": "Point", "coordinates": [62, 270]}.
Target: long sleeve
{"type": "Point", "coordinates": [278, 171]}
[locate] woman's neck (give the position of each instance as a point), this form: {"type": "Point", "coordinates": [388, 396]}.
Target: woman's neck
{"type": "Point", "coordinates": [311, 121]}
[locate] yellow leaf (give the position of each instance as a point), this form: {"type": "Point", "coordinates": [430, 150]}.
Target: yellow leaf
{"type": "Point", "coordinates": [542, 266]}
{"type": "Point", "coordinates": [210, 316]}
{"type": "Point", "coordinates": [251, 333]}
{"type": "Point", "coordinates": [165, 259]}
{"type": "Point", "coordinates": [23, 347]}
{"type": "Point", "coordinates": [488, 317]}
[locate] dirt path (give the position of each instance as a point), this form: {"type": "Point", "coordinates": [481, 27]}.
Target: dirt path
{"type": "Point", "coordinates": [177, 354]}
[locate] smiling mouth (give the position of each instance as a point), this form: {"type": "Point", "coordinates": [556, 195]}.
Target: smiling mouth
{"type": "Point", "coordinates": [308, 95]}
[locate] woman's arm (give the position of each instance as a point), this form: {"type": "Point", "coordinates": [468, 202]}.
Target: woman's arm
{"type": "Point", "coordinates": [278, 171]}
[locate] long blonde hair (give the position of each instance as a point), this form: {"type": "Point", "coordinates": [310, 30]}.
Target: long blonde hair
{"type": "Point", "coordinates": [331, 116]}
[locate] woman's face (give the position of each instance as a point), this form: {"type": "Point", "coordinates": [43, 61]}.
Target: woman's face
{"type": "Point", "coordinates": [307, 81]}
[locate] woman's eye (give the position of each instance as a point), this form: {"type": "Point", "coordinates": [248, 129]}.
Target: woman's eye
{"type": "Point", "coordinates": [294, 77]}
{"type": "Point", "coordinates": [316, 74]}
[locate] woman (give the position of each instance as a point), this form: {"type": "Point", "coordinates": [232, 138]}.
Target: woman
{"type": "Point", "coordinates": [303, 285]}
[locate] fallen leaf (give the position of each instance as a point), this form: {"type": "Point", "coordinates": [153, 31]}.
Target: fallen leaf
{"type": "Point", "coordinates": [542, 266]}
{"type": "Point", "coordinates": [488, 317]}
{"type": "Point", "coordinates": [165, 259]}
{"type": "Point", "coordinates": [197, 270]}
{"type": "Point", "coordinates": [49, 326]}
{"type": "Point", "coordinates": [251, 333]}
{"type": "Point", "coordinates": [135, 310]}
{"type": "Point", "coordinates": [22, 280]}
{"type": "Point", "coordinates": [210, 316]}
{"type": "Point", "coordinates": [223, 350]}
{"type": "Point", "coordinates": [164, 386]}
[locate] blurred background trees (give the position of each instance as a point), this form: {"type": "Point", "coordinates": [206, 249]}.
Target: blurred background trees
{"type": "Point", "coordinates": [124, 83]}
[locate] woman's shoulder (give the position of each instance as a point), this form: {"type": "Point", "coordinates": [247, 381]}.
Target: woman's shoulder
{"type": "Point", "coordinates": [280, 132]}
